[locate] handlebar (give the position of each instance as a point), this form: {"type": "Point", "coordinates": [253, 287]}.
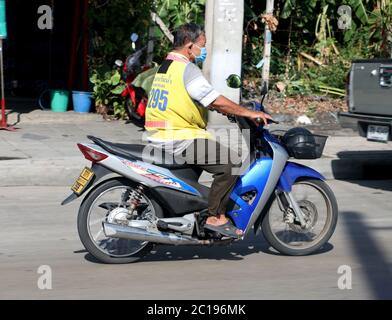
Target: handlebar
{"type": "Point", "coordinates": [260, 121]}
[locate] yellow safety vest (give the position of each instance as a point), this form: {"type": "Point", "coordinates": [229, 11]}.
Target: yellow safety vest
{"type": "Point", "coordinates": [171, 113]}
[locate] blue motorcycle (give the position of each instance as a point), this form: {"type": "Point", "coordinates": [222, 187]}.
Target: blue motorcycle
{"type": "Point", "coordinates": [134, 200]}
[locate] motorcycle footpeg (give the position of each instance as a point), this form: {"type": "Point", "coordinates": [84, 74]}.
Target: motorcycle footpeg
{"type": "Point", "coordinates": [162, 225]}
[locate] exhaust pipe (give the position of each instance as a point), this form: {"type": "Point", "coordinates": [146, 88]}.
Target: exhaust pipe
{"type": "Point", "coordinates": [131, 233]}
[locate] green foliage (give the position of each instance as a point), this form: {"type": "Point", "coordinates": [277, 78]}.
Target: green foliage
{"type": "Point", "coordinates": [359, 9]}
{"type": "Point", "coordinates": [175, 13]}
{"type": "Point", "coordinates": [145, 79]}
{"type": "Point", "coordinates": [360, 18]}
{"type": "Point", "coordinates": [313, 79]}
{"type": "Point", "coordinates": [311, 27]}
{"type": "Point", "coordinates": [112, 23]}
{"type": "Point", "coordinates": [304, 26]}
{"type": "Point", "coordinates": [303, 13]}
{"type": "Point", "coordinates": [380, 27]}
{"type": "Point", "coordinates": [302, 87]}
{"type": "Point", "coordinates": [294, 7]}
{"type": "Point", "coordinates": [178, 12]}
{"type": "Point", "coordinates": [107, 90]}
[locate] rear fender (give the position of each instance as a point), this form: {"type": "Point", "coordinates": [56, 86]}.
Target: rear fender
{"type": "Point", "coordinates": [101, 174]}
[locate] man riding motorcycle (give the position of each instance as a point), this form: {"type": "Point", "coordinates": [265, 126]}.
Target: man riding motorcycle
{"type": "Point", "coordinates": [176, 119]}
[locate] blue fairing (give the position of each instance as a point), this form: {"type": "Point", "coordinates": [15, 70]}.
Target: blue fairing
{"type": "Point", "coordinates": [254, 180]}
{"type": "Point", "coordinates": [294, 171]}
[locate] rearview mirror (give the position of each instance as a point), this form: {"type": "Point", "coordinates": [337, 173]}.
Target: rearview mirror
{"type": "Point", "coordinates": [234, 81]}
{"type": "Point", "coordinates": [119, 63]}
{"type": "Point", "coordinates": [134, 37]}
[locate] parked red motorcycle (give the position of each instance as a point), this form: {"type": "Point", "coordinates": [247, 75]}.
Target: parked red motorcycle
{"type": "Point", "coordinates": [136, 95]}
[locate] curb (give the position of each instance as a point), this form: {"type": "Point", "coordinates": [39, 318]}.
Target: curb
{"type": "Point", "coordinates": [52, 172]}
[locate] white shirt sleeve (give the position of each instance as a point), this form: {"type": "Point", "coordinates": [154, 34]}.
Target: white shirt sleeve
{"type": "Point", "coordinates": [198, 87]}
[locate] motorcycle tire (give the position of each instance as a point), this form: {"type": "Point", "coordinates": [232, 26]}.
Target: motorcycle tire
{"type": "Point", "coordinates": [83, 224]}
{"type": "Point", "coordinates": [331, 218]}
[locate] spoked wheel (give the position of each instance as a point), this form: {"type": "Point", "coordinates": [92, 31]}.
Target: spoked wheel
{"type": "Point", "coordinates": [105, 204]}
{"type": "Point", "coordinates": [320, 211]}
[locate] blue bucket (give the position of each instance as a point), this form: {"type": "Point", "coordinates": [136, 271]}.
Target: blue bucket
{"type": "Point", "coordinates": [81, 101]}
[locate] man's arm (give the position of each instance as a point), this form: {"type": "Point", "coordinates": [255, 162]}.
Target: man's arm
{"type": "Point", "coordinates": [201, 90]}
{"type": "Point", "coordinates": [225, 105]}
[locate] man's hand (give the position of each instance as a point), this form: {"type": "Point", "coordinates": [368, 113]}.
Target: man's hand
{"type": "Point", "coordinates": [226, 106]}
{"type": "Point", "coordinates": [256, 115]}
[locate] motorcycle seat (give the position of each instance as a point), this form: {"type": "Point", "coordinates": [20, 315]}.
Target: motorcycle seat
{"type": "Point", "coordinates": [139, 152]}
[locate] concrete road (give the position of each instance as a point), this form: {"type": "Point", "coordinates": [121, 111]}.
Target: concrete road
{"type": "Point", "coordinates": [36, 231]}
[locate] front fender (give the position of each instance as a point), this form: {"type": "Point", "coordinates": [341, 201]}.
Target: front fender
{"type": "Point", "coordinates": [294, 171]}
{"type": "Point", "coordinates": [291, 173]}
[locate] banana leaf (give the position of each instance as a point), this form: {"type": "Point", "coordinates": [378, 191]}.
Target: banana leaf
{"type": "Point", "coordinates": [144, 80]}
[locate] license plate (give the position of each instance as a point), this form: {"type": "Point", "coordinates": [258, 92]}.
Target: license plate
{"type": "Point", "coordinates": [83, 181]}
{"type": "Point", "coordinates": [378, 133]}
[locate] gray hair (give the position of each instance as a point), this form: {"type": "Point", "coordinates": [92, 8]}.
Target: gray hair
{"type": "Point", "coordinates": [186, 33]}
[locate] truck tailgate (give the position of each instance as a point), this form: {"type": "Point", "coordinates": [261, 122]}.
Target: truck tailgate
{"type": "Point", "coordinates": [370, 87]}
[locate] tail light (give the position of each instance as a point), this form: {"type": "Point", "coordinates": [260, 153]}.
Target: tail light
{"type": "Point", "coordinates": [91, 154]}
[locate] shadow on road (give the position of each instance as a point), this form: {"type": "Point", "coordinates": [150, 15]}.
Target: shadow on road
{"type": "Point", "coordinates": [235, 252]}
{"type": "Point", "coordinates": [376, 267]}
{"type": "Point", "coordinates": [378, 185]}
{"type": "Point", "coordinates": [19, 106]}
{"type": "Point", "coordinates": [363, 164]}
{"type": "Point", "coordinates": [324, 249]}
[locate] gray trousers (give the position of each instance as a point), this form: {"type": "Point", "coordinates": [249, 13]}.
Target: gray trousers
{"type": "Point", "coordinates": [214, 158]}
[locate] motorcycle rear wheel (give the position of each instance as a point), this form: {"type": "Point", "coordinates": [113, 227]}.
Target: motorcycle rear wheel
{"type": "Point", "coordinates": [109, 250]}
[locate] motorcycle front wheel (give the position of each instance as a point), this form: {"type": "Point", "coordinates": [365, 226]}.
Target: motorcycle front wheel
{"type": "Point", "coordinates": [320, 210]}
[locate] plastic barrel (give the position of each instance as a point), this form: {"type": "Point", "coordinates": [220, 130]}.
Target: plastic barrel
{"type": "Point", "coordinates": [59, 100]}
{"type": "Point", "coordinates": [3, 22]}
{"type": "Point", "coordinates": [81, 101]}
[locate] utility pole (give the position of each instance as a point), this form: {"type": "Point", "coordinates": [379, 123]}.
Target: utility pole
{"type": "Point", "coordinates": [224, 29]}
{"type": "Point", "coordinates": [267, 46]}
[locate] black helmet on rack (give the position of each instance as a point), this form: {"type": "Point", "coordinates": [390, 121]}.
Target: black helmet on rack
{"type": "Point", "coordinates": [300, 143]}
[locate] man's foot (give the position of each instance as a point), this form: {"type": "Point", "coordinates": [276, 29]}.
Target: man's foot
{"type": "Point", "coordinates": [223, 226]}
{"type": "Point", "coordinates": [212, 220]}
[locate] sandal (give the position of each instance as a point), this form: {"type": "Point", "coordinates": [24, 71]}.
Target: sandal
{"type": "Point", "coordinates": [227, 229]}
